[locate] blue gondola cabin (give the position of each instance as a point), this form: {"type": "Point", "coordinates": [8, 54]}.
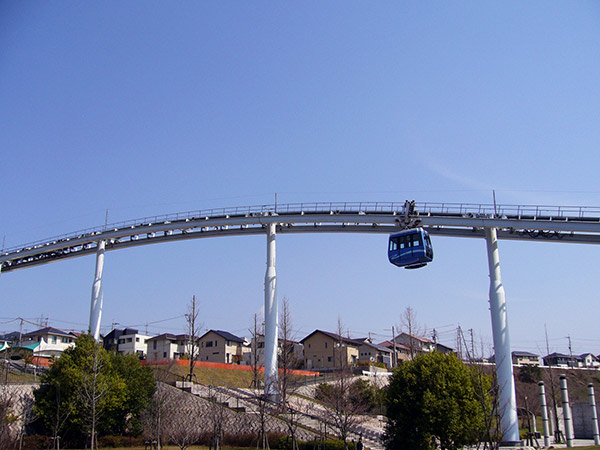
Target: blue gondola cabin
{"type": "Point", "coordinates": [410, 249]}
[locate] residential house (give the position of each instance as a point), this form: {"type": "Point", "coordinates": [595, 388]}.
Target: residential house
{"type": "Point", "coordinates": [373, 353]}
{"type": "Point", "coordinates": [126, 341]}
{"type": "Point", "coordinates": [443, 348]}
{"type": "Point", "coordinates": [168, 346]}
{"type": "Point", "coordinates": [415, 344]}
{"type": "Point", "coordinates": [561, 360]}
{"type": "Point", "coordinates": [402, 351]}
{"type": "Point", "coordinates": [520, 358]}
{"type": "Point", "coordinates": [525, 358]}
{"type": "Point", "coordinates": [589, 361]}
{"type": "Point", "coordinates": [324, 350]}
{"type": "Point", "coordinates": [11, 338]}
{"type": "Point", "coordinates": [131, 342]}
{"type": "Point", "coordinates": [48, 341]}
{"type": "Point", "coordinates": [295, 349]}
{"type": "Point", "coordinates": [222, 347]}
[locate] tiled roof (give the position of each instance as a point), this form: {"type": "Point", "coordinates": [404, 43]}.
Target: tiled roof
{"type": "Point", "coordinates": [335, 337]}
{"type": "Point", "coordinates": [47, 330]}
{"type": "Point", "coordinates": [226, 335]}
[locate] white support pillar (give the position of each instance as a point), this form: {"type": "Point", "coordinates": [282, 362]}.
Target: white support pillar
{"type": "Point", "coordinates": [544, 408]}
{"type": "Point", "coordinates": [271, 318]}
{"type": "Point", "coordinates": [96, 305]}
{"type": "Point", "coordinates": [567, 416]}
{"type": "Point", "coordinates": [592, 399]}
{"type": "Point", "coordinates": [504, 369]}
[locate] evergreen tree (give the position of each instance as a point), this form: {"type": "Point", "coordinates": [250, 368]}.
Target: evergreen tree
{"type": "Point", "coordinates": [431, 402]}
{"type": "Point", "coordinates": [89, 391]}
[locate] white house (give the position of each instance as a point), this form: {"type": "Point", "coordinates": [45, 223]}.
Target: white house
{"type": "Point", "coordinates": [168, 346]}
{"type": "Point", "coordinates": [48, 341]}
{"type": "Point", "coordinates": [133, 343]}
{"type": "Point", "coordinates": [590, 361]}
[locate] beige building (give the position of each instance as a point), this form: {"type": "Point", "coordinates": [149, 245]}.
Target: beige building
{"type": "Point", "coordinates": [371, 353]}
{"type": "Point", "coordinates": [168, 346]}
{"type": "Point", "coordinates": [294, 349]}
{"type": "Point", "coordinates": [324, 350]}
{"type": "Point", "coordinates": [222, 347]}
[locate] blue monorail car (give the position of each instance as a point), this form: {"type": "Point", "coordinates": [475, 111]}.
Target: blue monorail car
{"type": "Point", "coordinates": [410, 249]}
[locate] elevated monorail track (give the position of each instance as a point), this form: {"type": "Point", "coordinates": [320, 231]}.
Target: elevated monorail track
{"type": "Point", "coordinates": [570, 224]}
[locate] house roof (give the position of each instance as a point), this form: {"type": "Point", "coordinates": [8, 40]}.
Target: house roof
{"type": "Point", "coordinates": [557, 355]}
{"type": "Point", "coordinates": [390, 344]}
{"type": "Point", "coordinates": [12, 336]}
{"type": "Point", "coordinates": [165, 337]}
{"type": "Point", "coordinates": [225, 335]}
{"type": "Point", "coordinates": [335, 337]}
{"type": "Point", "coordinates": [519, 353]}
{"type": "Point", "coordinates": [47, 330]}
{"type": "Point", "coordinates": [379, 348]}
{"type": "Point", "coordinates": [416, 338]}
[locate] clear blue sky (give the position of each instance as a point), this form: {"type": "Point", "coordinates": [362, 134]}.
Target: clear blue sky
{"type": "Point", "coordinates": [154, 107]}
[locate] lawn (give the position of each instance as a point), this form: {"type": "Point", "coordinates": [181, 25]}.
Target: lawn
{"type": "Point", "coordinates": [173, 447]}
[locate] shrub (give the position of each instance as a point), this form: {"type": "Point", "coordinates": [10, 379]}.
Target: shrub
{"type": "Point", "coordinates": [35, 442]}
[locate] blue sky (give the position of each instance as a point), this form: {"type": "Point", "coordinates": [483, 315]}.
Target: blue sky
{"type": "Point", "coordinates": [147, 108]}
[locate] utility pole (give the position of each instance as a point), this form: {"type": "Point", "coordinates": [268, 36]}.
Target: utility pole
{"type": "Point", "coordinates": [459, 342]}
{"type": "Point", "coordinates": [570, 352]}
{"type": "Point", "coordinates": [472, 344]}
{"type": "Point", "coordinates": [395, 355]}
{"type": "Point", "coordinates": [557, 432]}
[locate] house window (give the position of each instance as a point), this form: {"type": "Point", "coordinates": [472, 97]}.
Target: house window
{"type": "Point", "coordinates": [209, 344]}
{"type": "Point", "coordinates": [154, 345]}
{"type": "Point", "coordinates": [329, 358]}
{"type": "Point", "coordinates": [229, 343]}
{"type": "Point", "coordinates": [164, 354]}
{"type": "Point", "coordinates": [129, 339]}
{"type": "Point", "coordinates": [137, 339]}
{"type": "Point", "coordinates": [325, 344]}
{"type": "Point", "coordinates": [308, 345]}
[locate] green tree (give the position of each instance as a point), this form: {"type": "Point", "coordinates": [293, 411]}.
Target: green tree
{"type": "Point", "coordinates": [431, 401]}
{"type": "Point", "coordinates": [88, 390]}
{"type": "Point", "coordinates": [139, 388]}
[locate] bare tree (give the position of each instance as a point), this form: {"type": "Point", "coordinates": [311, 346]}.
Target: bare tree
{"type": "Point", "coordinates": [7, 417]}
{"type": "Point", "coordinates": [93, 390]}
{"type": "Point", "coordinates": [153, 419]}
{"type": "Point", "coordinates": [263, 438]}
{"type": "Point", "coordinates": [193, 328]}
{"type": "Point", "coordinates": [27, 416]}
{"type": "Point", "coordinates": [255, 332]}
{"type": "Point", "coordinates": [288, 382]}
{"type": "Point", "coordinates": [181, 423]}
{"type": "Point", "coordinates": [62, 412]}
{"type": "Point", "coordinates": [409, 325]}
{"type": "Point", "coordinates": [343, 409]}
{"type": "Point", "coordinates": [217, 416]}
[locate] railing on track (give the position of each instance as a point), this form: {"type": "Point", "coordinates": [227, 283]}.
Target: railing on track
{"type": "Point", "coordinates": [420, 208]}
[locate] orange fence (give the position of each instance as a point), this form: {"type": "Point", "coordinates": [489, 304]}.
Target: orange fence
{"type": "Point", "coordinates": [42, 361]}
{"type": "Point", "coordinates": [213, 365]}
